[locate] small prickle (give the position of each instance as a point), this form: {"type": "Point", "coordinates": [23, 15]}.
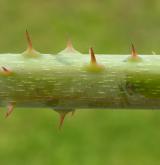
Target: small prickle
{"type": "Point", "coordinates": [29, 41]}
{"type": "Point", "coordinates": [94, 66]}
{"type": "Point", "coordinates": [10, 108]}
{"type": "Point", "coordinates": [69, 46]}
{"type": "Point", "coordinates": [69, 49]}
{"type": "Point", "coordinates": [62, 117]}
{"type": "Point", "coordinates": [93, 57]}
{"type": "Point", "coordinates": [134, 53]}
{"type": "Point", "coordinates": [134, 56]}
{"type": "Point", "coordinates": [30, 51]}
{"type": "Point", "coordinates": [6, 71]}
{"type": "Point", "coordinates": [63, 114]}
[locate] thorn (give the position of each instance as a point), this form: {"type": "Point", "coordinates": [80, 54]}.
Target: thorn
{"type": "Point", "coordinates": [29, 40]}
{"type": "Point", "coordinates": [62, 117]}
{"type": "Point", "coordinates": [6, 71]}
{"type": "Point", "coordinates": [10, 108]}
{"type": "Point", "coordinates": [69, 44]}
{"type": "Point", "coordinates": [94, 66]}
{"type": "Point", "coordinates": [134, 57]}
{"type": "Point", "coordinates": [134, 53]}
{"type": "Point", "coordinates": [93, 58]}
{"type": "Point", "coordinates": [62, 113]}
{"type": "Point", "coordinates": [30, 51]}
{"type": "Point", "coordinates": [69, 48]}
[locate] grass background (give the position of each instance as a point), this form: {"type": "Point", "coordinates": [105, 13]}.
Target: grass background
{"type": "Point", "coordinates": [31, 137]}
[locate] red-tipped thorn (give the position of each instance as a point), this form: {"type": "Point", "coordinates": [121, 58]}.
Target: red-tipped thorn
{"type": "Point", "coordinates": [93, 58]}
{"type": "Point", "coordinates": [62, 117]}
{"type": "Point", "coordinates": [29, 40]}
{"type": "Point", "coordinates": [10, 108]}
{"type": "Point", "coordinates": [134, 53]}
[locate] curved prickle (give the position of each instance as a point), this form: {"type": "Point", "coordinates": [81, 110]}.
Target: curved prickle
{"type": "Point", "coordinates": [30, 51]}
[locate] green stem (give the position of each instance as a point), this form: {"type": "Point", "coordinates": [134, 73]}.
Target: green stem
{"type": "Point", "coordinates": [70, 81]}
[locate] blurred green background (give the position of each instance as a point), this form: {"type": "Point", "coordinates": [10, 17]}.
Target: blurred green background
{"type": "Point", "coordinates": [91, 137]}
